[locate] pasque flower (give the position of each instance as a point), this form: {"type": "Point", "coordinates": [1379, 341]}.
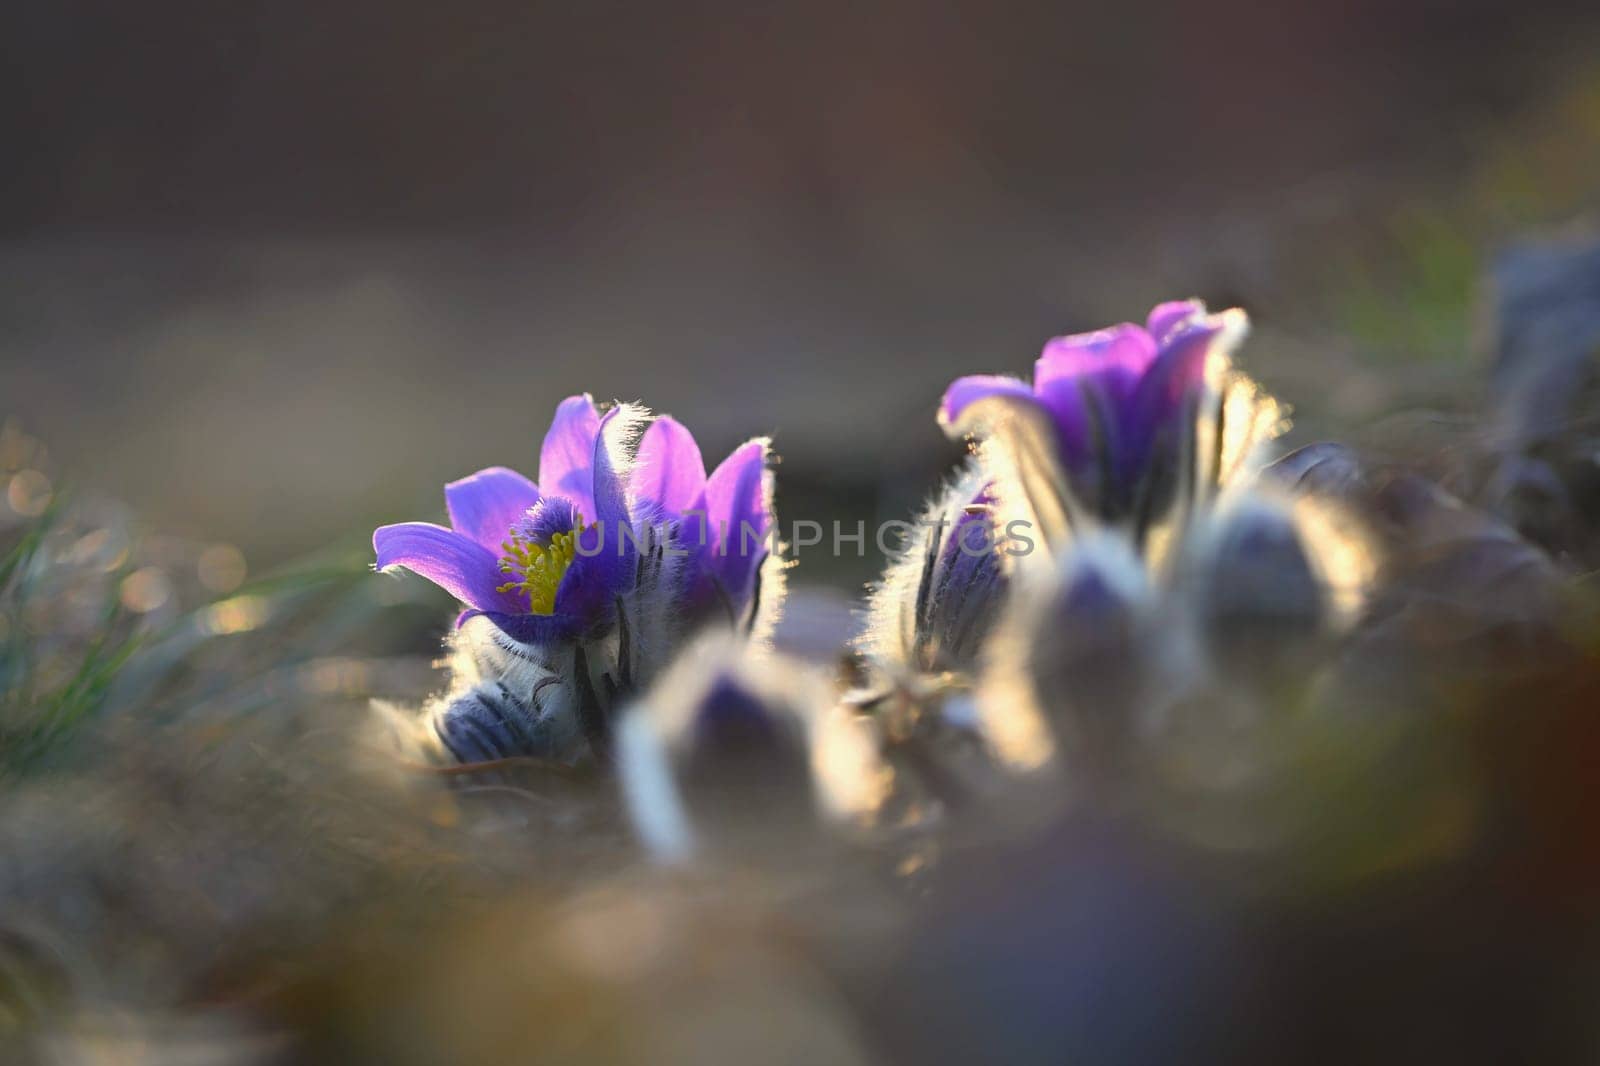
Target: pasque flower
{"type": "Point", "coordinates": [1129, 429]}
{"type": "Point", "coordinates": [1121, 424]}
{"type": "Point", "coordinates": [578, 587]}
{"type": "Point", "coordinates": [1094, 481]}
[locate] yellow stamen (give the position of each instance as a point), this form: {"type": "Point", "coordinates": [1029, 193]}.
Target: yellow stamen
{"type": "Point", "coordinates": [539, 567]}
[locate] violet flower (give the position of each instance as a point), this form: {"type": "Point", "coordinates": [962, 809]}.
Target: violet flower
{"type": "Point", "coordinates": [1120, 424]}
{"type": "Point", "coordinates": [1127, 433]}
{"type": "Point", "coordinates": [577, 591]}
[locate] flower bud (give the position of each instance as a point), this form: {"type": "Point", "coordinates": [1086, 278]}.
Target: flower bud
{"type": "Point", "coordinates": [734, 752]}
{"type": "Point", "coordinates": [939, 600]}
{"type": "Point", "coordinates": [1257, 597]}
{"type": "Point", "coordinates": [1072, 667]}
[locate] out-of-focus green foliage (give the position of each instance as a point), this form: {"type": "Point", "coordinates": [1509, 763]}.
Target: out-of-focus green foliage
{"type": "Point", "coordinates": [1404, 286]}
{"type": "Point", "coordinates": [42, 703]}
{"type": "Point", "coordinates": [92, 627]}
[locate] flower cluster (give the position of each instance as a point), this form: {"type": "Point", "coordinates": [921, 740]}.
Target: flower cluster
{"type": "Point", "coordinates": [1169, 569]}
{"type": "Point", "coordinates": [580, 589]}
{"type": "Point", "coordinates": [1131, 430]}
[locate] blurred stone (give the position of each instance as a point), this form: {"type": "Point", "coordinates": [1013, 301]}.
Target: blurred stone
{"type": "Point", "coordinates": [1545, 330]}
{"type": "Point", "coordinates": [1544, 471]}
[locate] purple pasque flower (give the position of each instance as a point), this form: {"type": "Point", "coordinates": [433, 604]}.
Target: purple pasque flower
{"type": "Point", "coordinates": [1129, 430]}
{"type": "Point", "coordinates": [1115, 411]}
{"type": "Point", "coordinates": [512, 551]}
{"type": "Point", "coordinates": [578, 588]}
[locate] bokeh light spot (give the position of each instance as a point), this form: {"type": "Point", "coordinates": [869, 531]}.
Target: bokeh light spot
{"type": "Point", "coordinates": [146, 590]}
{"type": "Point", "coordinates": [221, 568]}
{"type": "Point", "coordinates": [29, 493]}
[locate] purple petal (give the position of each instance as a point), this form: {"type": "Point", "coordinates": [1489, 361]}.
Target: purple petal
{"type": "Point", "coordinates": [1177, 373]}
{"type": "Point", "coordinates": [737, 510]}
{"type": "Point", "coordinates": [738, 491]}
{"type": "Point", "coordinates": [969, 548]}
{"type": "Point", "coordinates": [975, 516]}
{"type": "Point", "coordinates": [588, 591]}
{"type": "Point", "coordinates": [535, 629]}
{"type": "Point", "coordinates": [964, 392]}
{"type": "Point", "coordinates": [484, 506]}
{"type": "Point", "coordinates": [669, 473]}
{"type": "Point", "coordinates": [1164, 318]}
{"type": "Point", "coordinates": [609, 462]}
{"type": "Point", "coordinates": [1058, 425]}
{"type": "Point", "coordinates": [462, 567]}
{"type": "Point", "coordinates": [1086, 381]}
{"type": "Point", "coordinates": [1077, 422]}
{"type": "Point", "coordinates": [566, 461]}
{"type": "Point", "coordinates": [969, 574]}
{"type": "Point", "coordinates": [1113, 358]}
{"type": "Point", "coordinates": [606, 550]}
{"type": "Point", "coordinates": [1180, 367]}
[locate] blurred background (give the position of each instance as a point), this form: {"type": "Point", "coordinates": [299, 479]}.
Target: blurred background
{"type": "Point", "coordinates": [273, 272]}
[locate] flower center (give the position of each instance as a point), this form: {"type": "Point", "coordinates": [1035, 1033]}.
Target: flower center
{"type": "Point", "coordinates": [538, 568]}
